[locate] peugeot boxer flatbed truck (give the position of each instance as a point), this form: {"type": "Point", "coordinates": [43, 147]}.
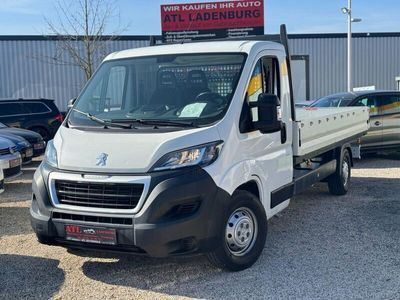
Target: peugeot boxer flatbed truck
{"type": "Point", "coordinates": [189, 148]}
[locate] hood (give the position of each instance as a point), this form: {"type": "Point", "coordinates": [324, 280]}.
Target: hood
{"type": "Point", "coordinates": [6, 143]}
{"type": "Point", "coordinates": [14, 138]}
{"type": "Point", "coordinates": [127, 151]}
{"type": "Point", "coordinates": [30, 136]}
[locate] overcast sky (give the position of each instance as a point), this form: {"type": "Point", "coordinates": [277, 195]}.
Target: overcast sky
{"type": "Point", "coordinates": [26, 17]}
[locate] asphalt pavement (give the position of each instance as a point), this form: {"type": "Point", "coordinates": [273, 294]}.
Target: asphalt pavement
{"type": "Point", "coordinates": [321, 247]}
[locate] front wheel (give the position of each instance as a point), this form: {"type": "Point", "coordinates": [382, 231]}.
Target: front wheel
{"type": "Point", "coordinates": [339, 182]}
{"type": "Point", "coordinates": [242, 237]}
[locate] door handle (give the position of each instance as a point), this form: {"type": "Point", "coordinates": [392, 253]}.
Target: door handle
{"type": "Point", "coordinates": [377, 123]}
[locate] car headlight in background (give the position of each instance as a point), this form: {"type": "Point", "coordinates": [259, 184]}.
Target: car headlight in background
{"type": "Point", "coordinates": [50, 155]}
{"type": "Point", "coordinates": [202, 155]}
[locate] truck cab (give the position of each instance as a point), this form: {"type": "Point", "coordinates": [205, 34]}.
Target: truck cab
{"type": "Point", "coordinates": [180, 149]}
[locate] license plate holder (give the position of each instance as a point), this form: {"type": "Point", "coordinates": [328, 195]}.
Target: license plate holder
{"type": "Point", "coordinates": [90, 234]}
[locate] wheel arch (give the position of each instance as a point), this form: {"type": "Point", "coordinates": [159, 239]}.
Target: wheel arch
{"type": "Point", "coordinates": [252, 187]}
{"type": "Point", "coordinates": [347, 147]}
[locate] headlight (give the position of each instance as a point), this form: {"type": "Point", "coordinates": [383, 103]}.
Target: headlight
{"type": "Point", "coordinates": [51, 154]}
{"type": "Point", "coordinates": [202, 155]}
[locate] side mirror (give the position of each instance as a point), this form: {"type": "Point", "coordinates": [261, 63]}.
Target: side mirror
{"type": "Point", "coordinates": [265, 113]}
{"type": "Point", "coordinates": [71, 103]}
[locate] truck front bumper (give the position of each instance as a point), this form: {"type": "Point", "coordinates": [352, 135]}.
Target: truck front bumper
{"type": "Point", "coordinates": [181, 215]}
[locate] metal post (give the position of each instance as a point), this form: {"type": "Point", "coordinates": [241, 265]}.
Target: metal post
{"type": "Point", "coordinates": [349, 49]}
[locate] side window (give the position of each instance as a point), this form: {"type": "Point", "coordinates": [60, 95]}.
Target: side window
{"type": "Point", "coordinates": [388, 104]}
{"type": "Point", "coordinates": [115, 88]}
{"type": "Point", "coordinates": [271, 76]}
{"type": "Point", "coordinates": [264, 79]}
{"type": "Point", "coordinates": [35, 108]}
{"type": "Point", "coordinates": [10, 109]}
{"type": "Point", "coordinates": [255, 87]}
{"type": "Point", "coordinates": [361, 102]}
{"type": "Point", "coordinates": [371, 102]}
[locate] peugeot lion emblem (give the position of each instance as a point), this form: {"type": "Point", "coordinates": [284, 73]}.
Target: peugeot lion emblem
{"type": "Point", "coordinates": [102, 160]}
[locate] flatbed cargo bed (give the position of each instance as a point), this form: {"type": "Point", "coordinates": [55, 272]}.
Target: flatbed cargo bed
{"type": "Point", "coordinates": [320, 129]}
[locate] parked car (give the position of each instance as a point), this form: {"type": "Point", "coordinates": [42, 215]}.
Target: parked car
{"type": "Point", "coordinates": [385, 116]}
{"type": "Point", "coordinates": [10, 159]}
{"type": "Point", "coordinates": [39, 115]}
{"type": "Point", "coordinates": [34, 138]}
{"type": "Point", "coordinates": [1, 181]}
{"type": "Point", "coordinates": [23, 146]}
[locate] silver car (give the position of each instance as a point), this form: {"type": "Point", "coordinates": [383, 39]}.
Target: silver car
{"type": "Point", "coordinates": [385, 116]}
{"type": "Point", "coordinates": [10, 159]}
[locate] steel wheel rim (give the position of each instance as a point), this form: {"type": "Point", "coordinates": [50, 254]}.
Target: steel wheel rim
{"type": "Point", "coordinates": [345, 171]}
{"type": "Point", "coordinates": [241, 231]}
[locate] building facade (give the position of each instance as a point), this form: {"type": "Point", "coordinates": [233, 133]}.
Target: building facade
{"type": "Point", "coordinates": [30, 68]}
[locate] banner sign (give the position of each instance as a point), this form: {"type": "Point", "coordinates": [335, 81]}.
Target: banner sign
{"type": "Point", "coordinates": [197, 21]}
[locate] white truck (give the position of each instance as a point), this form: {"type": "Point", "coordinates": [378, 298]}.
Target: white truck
{"type": "Point", "coordinates": [181, 149]}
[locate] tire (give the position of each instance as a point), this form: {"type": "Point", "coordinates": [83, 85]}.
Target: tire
{"type": "Point", "coordinates": [44, 239]}
{"type": "Point", "coordinates": [238, 250]}
{"type": "Point", "coordinates": [339, 182]}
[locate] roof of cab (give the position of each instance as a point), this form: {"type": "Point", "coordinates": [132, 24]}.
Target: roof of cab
{"type": "Point", "coordinates": [197, 47]}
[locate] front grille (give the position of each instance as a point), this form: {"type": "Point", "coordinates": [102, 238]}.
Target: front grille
{"type": "Point", "coordinates": [93, 219]}
{"type": "Point", "coordinates": [7, 151]}
{"type": "Point", "coordinates": [12, 171]}
{"type": "Point", "coordinates": [99, 195]}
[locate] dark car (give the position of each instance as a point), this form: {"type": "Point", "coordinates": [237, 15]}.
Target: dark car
{"type": "Point", "coordinates": [39, 115]}
{"type": "Point", "coordinates": [384, 111]}
{"type": "Point", "coordinates": [23, 146]}
{"type": "Point", "coordinates": [35, 139]}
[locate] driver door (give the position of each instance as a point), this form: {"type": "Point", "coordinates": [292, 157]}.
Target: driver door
{"type": "Point", "coordinates": [272, 152]}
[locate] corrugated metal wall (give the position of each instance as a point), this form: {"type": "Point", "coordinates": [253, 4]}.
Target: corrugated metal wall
{"type": "Point", "coordinates": [376, 61]}
{"type": "Point", "coordinates": [26, 73]}
{"type": "Point", "coordinates": [26, 70]}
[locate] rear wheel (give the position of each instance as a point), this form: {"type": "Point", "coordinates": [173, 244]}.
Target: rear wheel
{"type": "Point", "coordinates": [242, 237]}
{"type": "Point", "coordinates": [339, 182]}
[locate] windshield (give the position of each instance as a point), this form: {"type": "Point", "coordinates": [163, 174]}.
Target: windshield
{"type": "Point", "coordinates": [167, 90]}
{"type": "Point", "coordinates": [333, 101]}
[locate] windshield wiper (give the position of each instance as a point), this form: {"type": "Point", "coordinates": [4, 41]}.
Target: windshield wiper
{"type": "Point", "coordinates": [157, 122]}
{"type": "Point", "coordinates": [106, 124]}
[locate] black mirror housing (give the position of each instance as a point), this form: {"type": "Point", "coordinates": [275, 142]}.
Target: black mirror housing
{"type": "Point", "coordinates": [268, 121]}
